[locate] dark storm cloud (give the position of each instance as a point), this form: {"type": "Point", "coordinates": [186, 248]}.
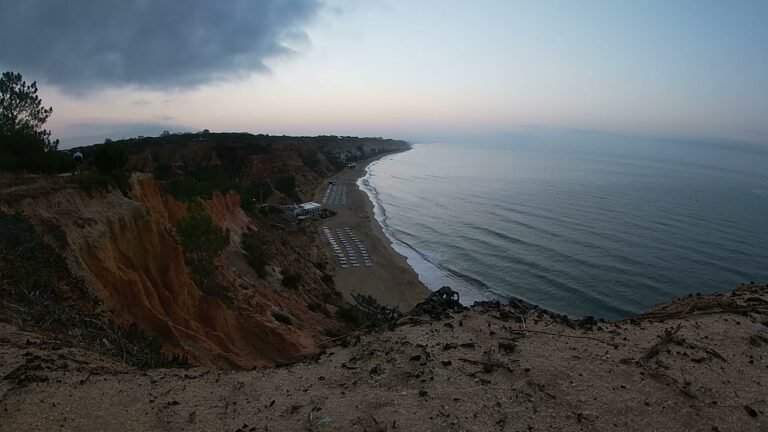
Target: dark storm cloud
{"type": "Point", "coordinates": [83, 44]}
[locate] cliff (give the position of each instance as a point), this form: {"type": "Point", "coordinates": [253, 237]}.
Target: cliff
{"type": "Point", "coordinates": [125, 251]}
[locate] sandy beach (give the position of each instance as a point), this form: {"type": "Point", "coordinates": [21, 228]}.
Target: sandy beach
{"type": "Point", "coordinates": [390, 279]}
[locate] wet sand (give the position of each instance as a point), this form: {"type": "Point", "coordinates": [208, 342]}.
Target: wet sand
{"type": "Point", "coordinates": [390, 280]}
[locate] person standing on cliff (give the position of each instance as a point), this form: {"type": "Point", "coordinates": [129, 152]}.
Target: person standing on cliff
{"type": "Point", "coordinates": [78, 158]}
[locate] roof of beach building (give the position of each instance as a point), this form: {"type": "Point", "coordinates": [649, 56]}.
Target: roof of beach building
{"type": "Point", "coordinates": [309, 205]}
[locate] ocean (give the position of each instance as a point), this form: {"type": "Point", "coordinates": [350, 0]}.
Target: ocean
{"type": "Point", "coordinates": [578, 223]}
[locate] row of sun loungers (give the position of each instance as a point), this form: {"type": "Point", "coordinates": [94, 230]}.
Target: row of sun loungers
{"type": "Point", "coordinates": [347, 248]}
{"type": "Point", "coordinates": [335, 195]}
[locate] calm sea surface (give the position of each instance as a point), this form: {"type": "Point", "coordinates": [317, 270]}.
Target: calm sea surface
{"type": "Point", "coordinates": [579, 226]}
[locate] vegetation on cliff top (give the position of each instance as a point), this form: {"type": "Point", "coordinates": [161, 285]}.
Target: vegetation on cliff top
{"type": "Point", "coordinates": [194, 165]}
{"type": "Point", "coordinates": [24, 142]}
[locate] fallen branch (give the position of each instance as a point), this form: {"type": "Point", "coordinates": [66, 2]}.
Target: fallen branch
{"type": "Point", "coordinates": [666, 339]}
{"type": "Point", "coordinates": [666, 379]}
{"type": "Point", "coordinates": [358, 331]}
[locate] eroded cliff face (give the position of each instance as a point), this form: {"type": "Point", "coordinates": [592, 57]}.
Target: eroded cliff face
{"type": "Point", "coordinates": [125, 250]}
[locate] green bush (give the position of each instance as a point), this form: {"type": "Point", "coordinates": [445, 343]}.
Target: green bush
{"type": "Point", "coordinates": [286, 185]}
{"type": "Point", "coordinates": [327, 280]}
{"type": "Point", "coordinates": [290, 279]}
{"type": "Point", "coordinates": [109, 157]}
{"type": "Point", "coordinates": [256, 253]}
{"type": "Point", "coordinates": [353, 316]}
{"type": "Point", "coordinates": [200, 183]}
{"type": "Point", "coordinates": [309, 158]}
{"type": "Point", "coordinates": [26, 152]}
{"type": "Point", "coordinates": [282, 318]}
{"type": "Point", "coordinates": [202, 241]}
{"type": "Point", "coordinates": [163, 171]}
{"type": "Point", "coordinates": [255, 191]}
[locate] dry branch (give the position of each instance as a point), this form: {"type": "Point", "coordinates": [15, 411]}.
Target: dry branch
{"type": "Point", "coordinates": [666, 339]}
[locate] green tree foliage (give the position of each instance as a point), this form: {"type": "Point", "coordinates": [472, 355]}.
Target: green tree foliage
{"type": "Point", "coordinates": [202, 241]}
{"type": "Point", "coordinates": [353, 316]}
{"type": "Point", "coordinates": [110, 156]}
{"type": "Point", "coordinates": [286, 185]}
{"type": "Point", "coordinates": [257, 191]}
{"type": "Point", "coordinates": [309, 158]}
{"type": "Point", "coordinates": [24, 143]}
{"type": "Point", "coordinates": [290, 279]}
{"type": "Point", "coordinates": [255, 249]}
{"type": "Point", "coordinates": [201, 182]}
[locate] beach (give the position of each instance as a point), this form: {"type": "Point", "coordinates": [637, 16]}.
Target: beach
{"type": "Point", "coordinates": [389, 279]}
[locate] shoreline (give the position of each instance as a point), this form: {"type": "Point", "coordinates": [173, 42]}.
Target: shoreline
{"type": "Point", "coordinates": [391, 280]}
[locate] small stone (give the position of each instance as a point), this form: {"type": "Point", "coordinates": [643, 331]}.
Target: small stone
{"type": "Point", "coordinates": [749, 410]}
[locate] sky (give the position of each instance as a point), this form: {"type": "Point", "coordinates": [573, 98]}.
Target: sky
{"type": "Point", "coordinates": [419, 70]}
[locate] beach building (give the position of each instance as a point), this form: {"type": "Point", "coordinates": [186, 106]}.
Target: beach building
{"type": "Point", "coordinates": [306, 210]}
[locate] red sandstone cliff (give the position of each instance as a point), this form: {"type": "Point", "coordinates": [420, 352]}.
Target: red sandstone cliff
{"type": "Point", "coordinates": [124, 249]}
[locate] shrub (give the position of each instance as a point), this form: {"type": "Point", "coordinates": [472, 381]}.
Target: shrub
{"type": "Point", "coordinates": [200, 183]}
{"type": "Point", "coordinates": [253, 245]}
{"type": "Point", "coordinates": [309, 158]}
{"type": "Point", "coordinates": [282, 318]}
{"type": "Point", "coordinates": [353, 316]}
{"type": "Point", "coordinates": [290, 279]}
{"type": "Point", "coordinates": [286, 185]}
{"type": "Point", "coordinates": [109, 157]}
{"type": "Point", "coordinates": [202, 241]}
{"type": "Point", "coordinates": [258, 190]}
{"type": "Point", "coordinates": [327, 280]}
{"type": "Point", "coordinates": [163, 171]}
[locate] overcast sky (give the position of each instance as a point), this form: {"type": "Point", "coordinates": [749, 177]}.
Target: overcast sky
{"type": "Point", "coordinates": [398, 68]}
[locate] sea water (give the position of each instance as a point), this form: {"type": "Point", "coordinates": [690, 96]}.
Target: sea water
{"type": "Point", "coordinates": [582, 225]}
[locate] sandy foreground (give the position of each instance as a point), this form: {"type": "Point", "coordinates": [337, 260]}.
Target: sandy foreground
{"type": "Point", "coordinates": [390, 280]}
{"type": "Point", "coordinates": [698, 364]}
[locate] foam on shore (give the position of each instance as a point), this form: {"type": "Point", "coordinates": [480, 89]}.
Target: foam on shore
{"type": "Point", "coordinates": [428, 268]}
